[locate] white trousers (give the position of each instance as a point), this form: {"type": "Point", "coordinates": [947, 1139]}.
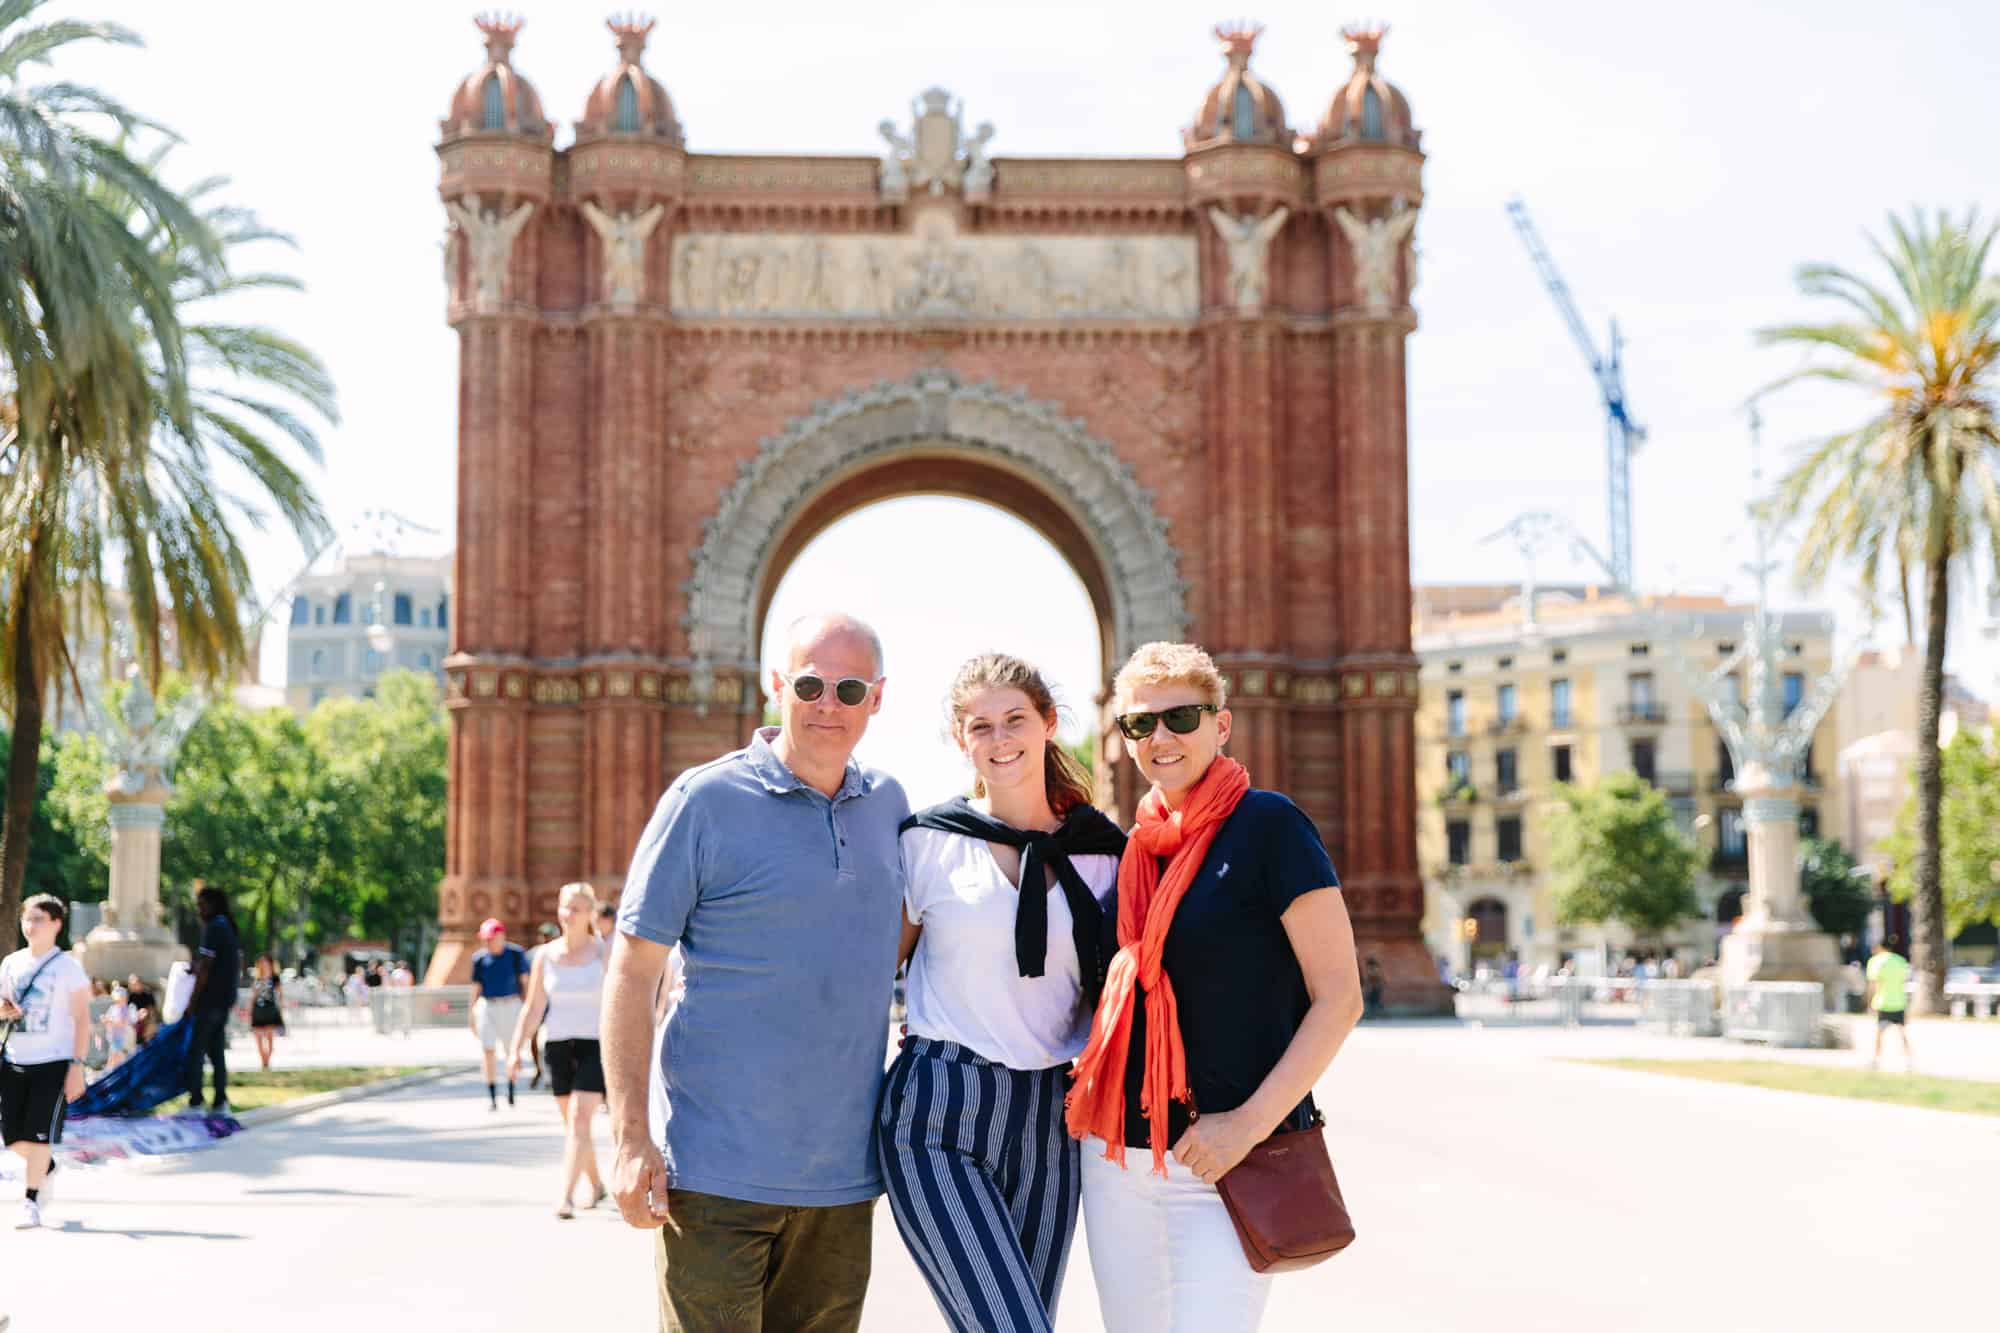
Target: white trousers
{"type": "Point", "coordinates": [1164, 1252]}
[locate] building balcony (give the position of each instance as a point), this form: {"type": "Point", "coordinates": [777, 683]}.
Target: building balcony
{"type": "Point", "coordinates": [1507, 726]}
{"type": "Point", "coordinates": [1561, 722]}
{"type": "Point", "coordinates": [1458, 793]}
{"type": "Point", "coordinates": [1515, 795]}
{"type": "Point", "coordinates": [1642, 715]}
{"type": "Point", "coordinates": [1725, 861]}
{"type": "Point", "coordinates": [1674, 782]}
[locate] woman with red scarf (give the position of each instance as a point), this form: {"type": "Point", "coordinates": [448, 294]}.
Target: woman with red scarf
{"type": "Point", "coordinates": [1233, 987]}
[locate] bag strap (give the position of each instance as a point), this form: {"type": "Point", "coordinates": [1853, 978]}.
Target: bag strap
{"type": "Point", "coordinates": [26, 990]}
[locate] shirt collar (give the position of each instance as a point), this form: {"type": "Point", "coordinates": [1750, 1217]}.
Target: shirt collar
{"type": "Point", "coordinates": [776, 777]}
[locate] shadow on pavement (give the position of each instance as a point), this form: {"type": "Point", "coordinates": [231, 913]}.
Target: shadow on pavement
{"type": "Point", "coordinates": [75, 1228]}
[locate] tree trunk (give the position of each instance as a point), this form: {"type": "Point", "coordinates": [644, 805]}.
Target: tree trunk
{"type": "Point", "coordinates": [1927, 945]}
{"type": "Point", "coordinates": [23, 764]}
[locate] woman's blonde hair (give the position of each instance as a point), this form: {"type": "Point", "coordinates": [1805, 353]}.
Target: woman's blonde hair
{"type": "Point", "coordinates": [1163, 663]}
{"type": "Point", "coordinates": [576, 889]}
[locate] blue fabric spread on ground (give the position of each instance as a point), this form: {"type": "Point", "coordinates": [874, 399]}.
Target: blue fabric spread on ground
{"type": "Point", "coordinates": [156, 1072]}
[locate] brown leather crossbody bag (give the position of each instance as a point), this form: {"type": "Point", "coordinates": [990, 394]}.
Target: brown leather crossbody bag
{"type": "Point", "coordinates": [1285, 1203]}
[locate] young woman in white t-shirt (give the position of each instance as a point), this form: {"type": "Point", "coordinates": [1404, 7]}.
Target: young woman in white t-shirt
{"type": "Point", "coordinates": [566, 985]}
{"type": "Point", "coordinates": [45, 995]}
{"type": "Point", "coordinates": [1007, 936]}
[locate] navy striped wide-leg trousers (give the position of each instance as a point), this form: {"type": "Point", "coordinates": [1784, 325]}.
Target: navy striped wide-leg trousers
{"type": "Point", "coordinates": [984, 1180]}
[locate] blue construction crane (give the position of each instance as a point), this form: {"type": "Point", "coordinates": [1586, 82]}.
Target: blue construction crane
{"type": "Point", "coordinates": [1622, 435]}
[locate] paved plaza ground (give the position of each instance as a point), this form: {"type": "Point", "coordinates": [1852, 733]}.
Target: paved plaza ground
{"type": "Point", "coordinates": [1496, 1185]}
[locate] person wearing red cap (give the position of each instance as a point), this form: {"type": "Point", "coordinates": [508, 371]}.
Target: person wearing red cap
{"type": "Point", "coordinates": [496, 1008]}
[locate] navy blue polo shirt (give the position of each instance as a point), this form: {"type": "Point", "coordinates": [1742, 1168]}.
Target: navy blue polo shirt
{"type": "Point", "coordinates": [498, 975]}
{"type": "Point", "coordinates": [1238, 984]}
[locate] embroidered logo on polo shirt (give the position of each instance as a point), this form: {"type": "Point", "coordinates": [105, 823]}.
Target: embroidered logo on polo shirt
{"type": "Point", "coordinates": [1225, 870]}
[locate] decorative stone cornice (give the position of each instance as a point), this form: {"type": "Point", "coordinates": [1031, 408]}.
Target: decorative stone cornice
{"type": "Point", "coordinates": [933, 409]}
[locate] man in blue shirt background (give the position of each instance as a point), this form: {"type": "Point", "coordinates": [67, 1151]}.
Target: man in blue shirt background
{"type": "Point", "coordinates": [496, 975]}
{"type": "Point", "coordinates": [776, 869]}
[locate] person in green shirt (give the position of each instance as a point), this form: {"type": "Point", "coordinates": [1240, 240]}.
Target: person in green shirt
{"type": "Point", "coordinates": [1888, 996]}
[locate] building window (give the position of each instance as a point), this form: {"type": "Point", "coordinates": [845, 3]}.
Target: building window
{"type": "Point", "coordinates": [492, 106]}
{"type": "Point", "coordinates": [1796, 649]}
{"type": "Point", "coordinates": [1559, 703]}
{"type": "Point", "coordinates": [423, 661]}
{"type": "Point", "coordinates": [1559, 656]}
{"type": "Point", "coordinates": [1371, 114]}
{"type": "Point", "coordinates": [371, 661]}
{"type": "Point", "coordinates": [319, 615]}
{"type": "Point", "coordinates": [443, 603]}
{"type": "Point", "coordinates": [343, 610]}
{"type": "Point", "coordinates": [400, 609]}
{"type": "Point", "coordinates": [424, 617]}
{"type": "Point", "coordinates": [1509, 829]}
{"type": "Point", "coordinates": [1457, 769]}
{"type": "Point", "coordinates": [1640, 650]}
{"type": "Point", "coordinates": [1505, 664]}
{"type": "Point", "coordinates": [1506, 771]}
{"type": "Point", "coordinates": [368, 613]}
{"type": "Point", "coordinates": [1453, 668]}
{"type": "Point", "coordinates": [1507, 704]}
{"type": "Point", "coordinates": [1809, 822]}
{"type": "Point", "coordinates": [1454, 713]}
{"type": "Point", "coordinates": [319, 662]}
{"type": "Point", "coordinates": [1725, 766]}
{"type": "Point", "coordinates": [1243, 114]}
{"type": "Point", "coordinates": [1724, 648]}
{"type": "Point", "coordinates": [1458, 842]}
{"type": "Point", "coordinates": [1559, 762]}
{"type": "Point", "coordinates": [1645, 761]}
{"type": "Point", "coordinates": [1639, 689]}
{"type": "Point", "coordinates": [1795, 691]}
{"type": "Point", "coordinates": [628, 109]}
{"type": "Point", "coordinates": [301, 610]}
{"type": "Point", "coordinates": [1729, 839]}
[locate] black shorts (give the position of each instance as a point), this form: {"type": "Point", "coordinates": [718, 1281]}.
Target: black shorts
{"type": "Point", "coordinates": [32, 1105]}
{"type": "Point", "coordinates": [574, 1066]}
{"type": "Point", "coordinates": [1886, 1017]}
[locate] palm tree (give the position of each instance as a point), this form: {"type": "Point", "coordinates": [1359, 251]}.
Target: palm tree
{"type": "Point", "coordinates": [119, 410]}
{"type": "Point", "coordinates": [1915, 487]}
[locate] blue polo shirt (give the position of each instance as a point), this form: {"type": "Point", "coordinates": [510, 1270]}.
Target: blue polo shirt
{"type": "Point", "coordinates": [499, 975]}
{"type": "Point", "coordinates": [787, 908]}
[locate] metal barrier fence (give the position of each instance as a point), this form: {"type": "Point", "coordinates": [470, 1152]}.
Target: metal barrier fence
{"type": "Point", "coordinates": [1679, 1008]}
{"type": "Point", "coordinates": [1777, 1013]}
{"type": "Point", "coordinates": [399, 1010]}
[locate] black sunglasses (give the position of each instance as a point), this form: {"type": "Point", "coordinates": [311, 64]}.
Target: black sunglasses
{"type": "Point", "coordinates": [1180, 719]}
{"type": "Point", "coordinates": [850, 690]}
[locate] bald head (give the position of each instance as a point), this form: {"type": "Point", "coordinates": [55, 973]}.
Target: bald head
{"type": "Point", "coordinates": [808, 635]}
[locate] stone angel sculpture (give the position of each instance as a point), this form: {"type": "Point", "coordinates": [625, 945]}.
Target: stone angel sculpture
{"type": "Point", "coordinates": [492, 240]}
{"type": "Point", "coordinates": [1248, 242]}
{"type": "Point", "coordinates": [1375, 244]}
{"type": "Point", "coordinates": [895, 171]}
{"type": "Point", "coordinates": [978, 166]}
{"type": "Point", "coordinates": [624, 237]}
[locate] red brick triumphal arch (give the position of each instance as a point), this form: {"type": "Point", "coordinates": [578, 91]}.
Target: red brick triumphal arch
{"type": "Point", "coordinates": [676, 368]}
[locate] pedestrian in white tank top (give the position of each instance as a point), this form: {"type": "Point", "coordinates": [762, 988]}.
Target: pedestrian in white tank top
{"type": "Point", "coordinates": [567, 984]}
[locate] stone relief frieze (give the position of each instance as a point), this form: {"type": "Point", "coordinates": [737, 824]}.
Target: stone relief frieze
{"type": "Point", "coordinates": [1141, 565]}
{"type": "Point", "coordinates": [934, 273]}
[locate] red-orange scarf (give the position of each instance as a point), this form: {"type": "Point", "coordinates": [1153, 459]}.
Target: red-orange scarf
{"type": "Point", "coordinates": [1147, 900]}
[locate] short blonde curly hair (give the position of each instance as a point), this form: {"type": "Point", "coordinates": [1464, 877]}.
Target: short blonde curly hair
{"type": "Point", "coordinates": [1169, 664]}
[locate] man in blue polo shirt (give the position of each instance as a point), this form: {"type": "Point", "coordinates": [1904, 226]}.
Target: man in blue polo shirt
{"type": "Point", "coordinates": [497, 973]}
{"type": "Point", "coordinates": [776, 870]}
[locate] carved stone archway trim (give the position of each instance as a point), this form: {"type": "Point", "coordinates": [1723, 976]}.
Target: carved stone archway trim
{"type": "Point", "coordinates": [933, 409]}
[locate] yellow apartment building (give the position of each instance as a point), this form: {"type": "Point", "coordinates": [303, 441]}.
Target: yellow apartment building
{"type": "Point", "coordinates": [1512, 704]}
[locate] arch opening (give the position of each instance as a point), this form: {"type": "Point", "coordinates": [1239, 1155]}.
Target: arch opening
{"type": "Point", "coordinates": [964, 576]}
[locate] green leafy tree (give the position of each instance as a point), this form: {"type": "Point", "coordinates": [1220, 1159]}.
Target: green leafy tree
{"type": "Point", "coordinates": [121, 408]}
{"type": "Point", "coordinates": [387, 758]}
{"type": "Point", "coordinates": [1969, 836]}
{"type": "Point", "coordinates": [1617, 855]}
{"type": "Point", "coordinates": [1840, 899]}
{"type": "Point", "coordinates": [255, 812]}
{"type": "Point", "coordinates": [69, 853]}
{"type": "Point", "coordinates": [1915, 487]}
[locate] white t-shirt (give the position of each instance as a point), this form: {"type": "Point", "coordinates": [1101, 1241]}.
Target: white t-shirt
{"type": "Point", "coordinates": [965, 985]}
{"type": "Point", "coordinates": [46, 1031]}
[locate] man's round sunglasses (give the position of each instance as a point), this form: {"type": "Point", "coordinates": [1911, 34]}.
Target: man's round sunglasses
{"type": "Point", "coordinates": [850, 690]}
{"type": "Point", "coordinates": [1180, 720]}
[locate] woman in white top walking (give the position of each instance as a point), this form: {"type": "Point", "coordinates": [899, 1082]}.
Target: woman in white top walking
{"type": "Point", "coordinates": [45, 1004]}
{"type": "Point", "coordinates": [1005, 930]}
{"type": "Point", "coordinates": [566, 983]}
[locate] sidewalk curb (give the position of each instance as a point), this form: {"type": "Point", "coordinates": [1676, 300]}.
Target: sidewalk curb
{"type": "Point", "coordinates": [265, 1115]}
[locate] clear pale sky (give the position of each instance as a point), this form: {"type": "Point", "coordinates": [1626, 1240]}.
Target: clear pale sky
{"type": "Point", "coordinates": [1679, 162]}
